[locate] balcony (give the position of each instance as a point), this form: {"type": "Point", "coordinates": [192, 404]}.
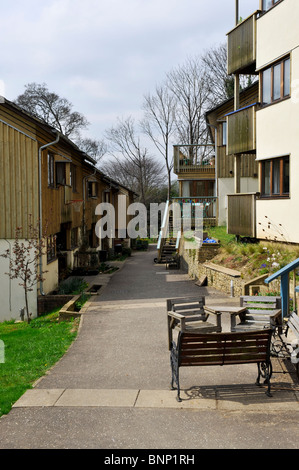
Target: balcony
{"type": "Point", "coordinates": [241, 128]}
{"type": "Point", "coordinates": [194, 160]}
{"type": "Point", "coordinates": [209, 207]}
{"type": "Point", "coordinates": [241, 214]}
{"type": "Point", "coordinates": [241, 47]}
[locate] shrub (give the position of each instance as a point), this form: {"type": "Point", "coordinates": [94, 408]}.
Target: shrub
{"type": "Point", "coordinates": [72, 286]}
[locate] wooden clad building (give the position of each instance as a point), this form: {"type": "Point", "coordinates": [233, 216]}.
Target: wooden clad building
{"type": "Point", "coordinates": [46, 179]}
{"type": "Point", "coordinates": [222, 133]}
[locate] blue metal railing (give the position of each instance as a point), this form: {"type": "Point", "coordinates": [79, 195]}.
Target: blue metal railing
{"type": "Point", "coordinates": [283, 274]}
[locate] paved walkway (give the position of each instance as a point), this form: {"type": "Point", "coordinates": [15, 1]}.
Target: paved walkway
{"type": "Point", "coordinates": [111, 389]}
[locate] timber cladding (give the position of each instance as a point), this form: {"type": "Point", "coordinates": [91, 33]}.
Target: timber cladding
{"type": "Point", "coordinates": [18, 181]}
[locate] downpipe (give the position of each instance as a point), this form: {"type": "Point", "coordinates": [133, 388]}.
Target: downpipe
{"type": "Point", "coordinates": [40, 150]}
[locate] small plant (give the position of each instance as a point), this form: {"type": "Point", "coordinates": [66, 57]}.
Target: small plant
{"type": "Point", "coordinates": [72, 286]}
{"type": "Point", "coordinates": [24, 260]}
{"type": "Point", "coordinates": [81, 301]}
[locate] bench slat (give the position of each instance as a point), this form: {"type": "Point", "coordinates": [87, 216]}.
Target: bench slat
{"type": "Point", "coordinates": [266, 313]}
{"type": "Point", "coordinates": [260, 305]}
{"type": "Point", "coordinates": [222, 337]}
{"type": "Point", "coordinates": [260, 298]}
{"type": "Point", "coordinates": [294, 320]}
{"type": "Point", "coordinates": [218, 360]}
{"type": "Point", "coordinates": [220, 345]}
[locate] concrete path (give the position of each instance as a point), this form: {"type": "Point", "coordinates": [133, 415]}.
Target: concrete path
{"type": "Point", "coordinates": [111, 389]}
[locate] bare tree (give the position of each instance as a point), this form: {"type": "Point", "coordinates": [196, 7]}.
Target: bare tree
{"type": "Point", "coordinates": [159, 123]}
{"type": "Point", "coordinates": [96, 149]}
{"type": "Point", "coordinates": [51, 108]}
{"type": "Point", "coordinates": [131, 159]}
{"type": "Point", "coordinates": [214, 61]}
{"type": "Point", "coordinates": [58, 113]}
{"type": "Point", "coordinates": [188, 83]}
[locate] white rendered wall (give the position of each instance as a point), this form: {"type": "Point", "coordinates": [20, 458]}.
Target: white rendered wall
{"type": "Point", "coordinates": [277, 125]}
{"type": "Point", "coordinates": [12, 297]}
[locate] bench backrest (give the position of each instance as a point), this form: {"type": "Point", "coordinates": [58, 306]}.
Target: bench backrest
{"type": "Point", "coordinates": [182, 303]}
{"type": "Point", "coordinates": [188, 307]}
{"type": "Point", "coordinates": [263, 303]}
{"type": "Point", "coordinates": [293, 324]}
{"type": "Point", "coordinates": [260, 307]}
{"type": "Point", "coordinates": [224, 348]}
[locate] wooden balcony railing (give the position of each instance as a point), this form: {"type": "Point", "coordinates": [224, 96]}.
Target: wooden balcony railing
{"type": "Point", "coordinates": [209, 205]}
{"type": "Point", "coordinates": [241, 214]}
{"type": "Point", "coordinates": [194, 159]}
{"type": "Point", "coordinates": [241, 47]}
{"type": "Point", "coordinates": [241, 126]}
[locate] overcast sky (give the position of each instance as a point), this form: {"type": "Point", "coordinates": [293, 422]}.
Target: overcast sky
{"type": "Point", "coordinates": [104, 55]}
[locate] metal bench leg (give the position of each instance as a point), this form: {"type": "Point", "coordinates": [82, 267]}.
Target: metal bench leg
{"type": "Point", "coordinates": [265, 370]}
{"type": "Point", "coordinates": [175, 370]}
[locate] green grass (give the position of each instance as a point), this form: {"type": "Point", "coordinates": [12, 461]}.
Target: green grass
{"type": "Point", "coordinates": [30, 350]}
{"type": "Point", "coordinates": [220, 233]}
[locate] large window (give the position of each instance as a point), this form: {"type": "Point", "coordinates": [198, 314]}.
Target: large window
{"type": "Point", "coordinates": [275, 181]}
{"type": "Point", "coordinates": [276, 82]}
{"type": "Point", "coordinates": [198, 188]}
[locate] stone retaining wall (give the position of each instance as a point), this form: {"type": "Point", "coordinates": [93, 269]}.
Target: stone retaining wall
{"type": "Point", "coordinates": [47, 303]}
{"type": "Point", "coordinates": [223, 279]}
{"type": "Point", "coordinates": [191, 259]}
{"type": "Point", "coordinates": [195, 262]}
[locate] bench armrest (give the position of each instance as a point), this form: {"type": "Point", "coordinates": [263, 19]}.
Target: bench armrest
{"type": "Point", "coordinates": [208, 312]}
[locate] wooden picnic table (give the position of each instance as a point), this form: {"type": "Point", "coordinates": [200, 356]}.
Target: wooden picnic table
{"type": "Point", "coordinates": [233, 310]}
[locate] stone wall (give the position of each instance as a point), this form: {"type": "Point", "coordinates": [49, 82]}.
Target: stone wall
{"type": "Point", "coordinates": [195, 262]}
{"type": "Point", "coordinates": [191, 259]}
{"type": "Point", "coordinates": [223, 279]}
{"type": "Point", "coordinates": [46, 303]}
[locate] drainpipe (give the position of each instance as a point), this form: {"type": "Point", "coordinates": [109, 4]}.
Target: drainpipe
{"type": "Point", "coordinates": [9, 290]}
{"type": "Point", "coordinates": [40, 201]}
{"type": "Point", "coordinates": [237, 12]}
{"type": "Point", "coordinates": [216, 164]}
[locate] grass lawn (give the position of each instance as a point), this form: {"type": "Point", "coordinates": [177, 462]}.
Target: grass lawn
{"type": "Point", "coordinates": [30, 350]}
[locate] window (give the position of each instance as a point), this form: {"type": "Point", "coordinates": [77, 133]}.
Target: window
{"type": "Point", "coordinates": [92, 190]}
{"type": "Point", "coordinates": [198, 188]}
{"type": "Point", "coordinates": [267, 4]}
{"type": "Point", "coordinates": [73, 176]}
{"type": "Point", "coordinates": [60, 174]}
{"type": "Point", "coordinates": [51, 248]}
{"type": "Point", "coordinates": [74, 237]}
{"type": "Point", "coordinates": [276, 82]}
{"type": "Point", "coordinates": [275, 177]}
{"type": "Point", "coordinates": [50, 170]}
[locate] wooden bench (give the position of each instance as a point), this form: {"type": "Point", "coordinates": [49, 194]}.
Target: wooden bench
{"type": "Point", "coordinates": [188, 314]}
{"type": "Point", "coordinates": [219, 349]}
{"type": "Point", "coordinates": [261, 312]}
{"type": "Point", "coordinates": [282, 346]}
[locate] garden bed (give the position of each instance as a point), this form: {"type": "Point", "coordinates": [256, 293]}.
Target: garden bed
{"type": "Point", "coordinates": [75, 307]}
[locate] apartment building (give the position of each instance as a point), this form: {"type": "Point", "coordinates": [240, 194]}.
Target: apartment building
{"type": "Point", "coordinates": [216, 119]}
{"type": "Point", "coordinates": [266, 44]}
{"type": "Point", "coordinates": [46, 179]}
